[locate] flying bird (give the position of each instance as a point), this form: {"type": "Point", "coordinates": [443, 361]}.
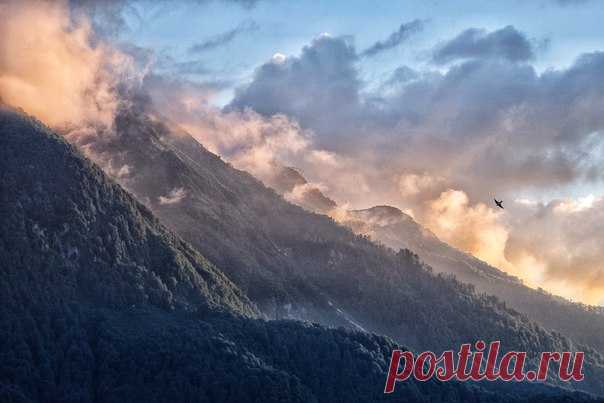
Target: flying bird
{"type": "Point", "coordinates": [499, 203]}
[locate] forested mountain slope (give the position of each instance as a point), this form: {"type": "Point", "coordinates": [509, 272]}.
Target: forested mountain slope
{"type": "Point", "coordinates": [397, 230]}
{"type": "Point", "coordinates": [66, 228]}
{"type": "Point", "coordinates": [293, 263]}
{"type": "Point", "coordinates": [100, 303]}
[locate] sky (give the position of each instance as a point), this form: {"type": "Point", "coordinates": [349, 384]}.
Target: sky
{"type": "Point", "coordinates": [562, 29]}
{"type": "Point", "coordinates": [435, 107]}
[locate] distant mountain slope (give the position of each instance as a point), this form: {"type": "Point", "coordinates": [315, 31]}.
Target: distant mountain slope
{"type": "Point", "coordinates": [100, 303]}
{"type": "Point", "coordinates": [296, 264]}
{"type": "Point", "coordinates": [396, 230]}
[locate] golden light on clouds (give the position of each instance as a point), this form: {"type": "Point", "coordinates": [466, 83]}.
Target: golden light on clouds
{"type": "Point", "coordinates": [554, 246]}
{"type": "Point", "coordinates": [475, 229]}
{"type": "Point", "coordinates": [49, 67]}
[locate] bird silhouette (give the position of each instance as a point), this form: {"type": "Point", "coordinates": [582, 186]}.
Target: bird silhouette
{"type": "Point", "coordinates": [499, 203]}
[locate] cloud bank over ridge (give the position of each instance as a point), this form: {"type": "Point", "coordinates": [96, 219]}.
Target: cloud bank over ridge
{"type": "Point", "coordinates": [477, 121]}
{"type": "Point", "coordinates": [443, 143]}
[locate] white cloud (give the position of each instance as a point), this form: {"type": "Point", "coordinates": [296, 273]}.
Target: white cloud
{"type": "Point", "coordinates": [175, 195]}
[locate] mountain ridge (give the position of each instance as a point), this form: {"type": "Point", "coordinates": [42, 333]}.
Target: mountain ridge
{"type": "Point", "coordinates": [100, 303]}
{"type": "Point", "coordinates": [401, 231]}
{"type": "Point", "coordinates": [296, 264]}
{"type": "Point", "coordinates": [89, 312]}
{"type": "Point", "coordinates": [395, 229]}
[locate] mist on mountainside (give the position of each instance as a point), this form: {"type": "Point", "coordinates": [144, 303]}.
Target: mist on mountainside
{"type": "Point", "coordinates": [397, 230]}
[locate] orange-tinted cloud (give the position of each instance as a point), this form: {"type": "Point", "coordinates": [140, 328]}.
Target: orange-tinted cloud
{"type": "Point", "coordinates": [50, 69]}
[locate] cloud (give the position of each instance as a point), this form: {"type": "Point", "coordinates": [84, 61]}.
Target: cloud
{"type": "Point", "coordinates": [394, 39]}
{"type": "Point", "coordinates": [323, 78]}
{"type": "Point", "coordinates": [191, 67]}
{"type": "Point", "coordinates": [557, 246]}
{"type": "Point", "coordinates": [487, 126]}
{"type": "Point", "coordinates": [109, 18]}
{"type": "Point", "coordinates": [174, 196]}
{"type": "Point", "coordinates": [246, 3]}
{"type": "Point", "coordinates": [475, 229]}
{"type": "Point", "coordinates": [106, 17]}
{"type": "Point", "coordinates": [490, 124]}
{"type": "Point", "coordinates": [250, 141]}
{"type": "Point", "coordinates": [245, 138]}
{"type": "Point", "coordinates": [402, 75]}
{"type": "Point", "coordinates": [413, 185]}
{"type": "Point", "coordinates": [224, 38]}
{"type": "Point", "coordinates": [505, 43]}
{"type": "Point", "coordinates": [52, 68]}
{"type": "Point", "coordinates": [439, 144]}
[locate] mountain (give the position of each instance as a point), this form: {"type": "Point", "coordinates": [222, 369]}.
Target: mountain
{"type": "Point", "coordinates": [101, 303]}
{"type": "Point", "coordinates": [289, 182]}
{"type": "Point", "coordinates": [296, 264]}
{"type": "Point", "coordinates": [397, 230]}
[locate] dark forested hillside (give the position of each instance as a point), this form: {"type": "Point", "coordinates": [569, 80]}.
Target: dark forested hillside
{"type": "Point", "coordinates": [61, 214]}
{"type": "Point", "coordinates": [296, 264]}
{"type": "Point", "coordinates": [100, 303]}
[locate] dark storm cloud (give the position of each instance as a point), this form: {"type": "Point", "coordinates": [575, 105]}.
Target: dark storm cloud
{"type": "Point", "coordinates": [506, 43]}
{"type": "Point", "coordinates": [394, 39]}
{"type": "Point", "coordinates": [502, 124]}
{"type": "Point", "coordinates": [224, 38]}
